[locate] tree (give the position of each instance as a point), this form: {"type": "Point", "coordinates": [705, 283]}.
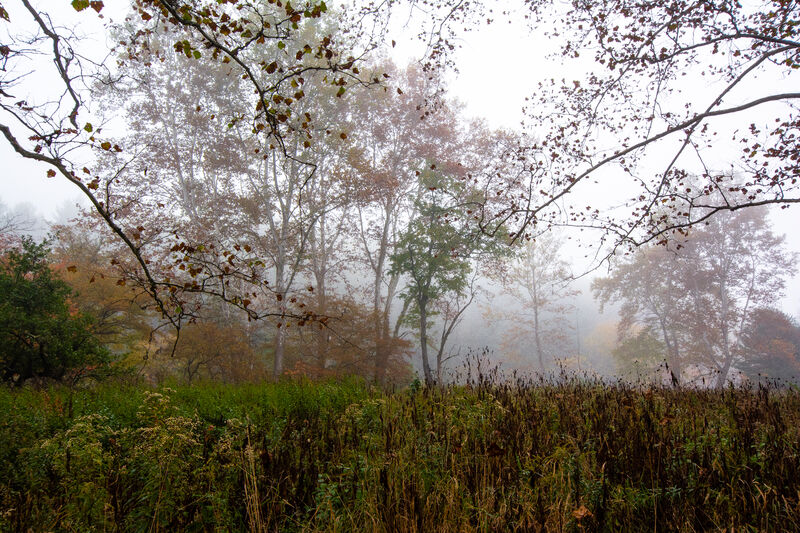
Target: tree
{"type": "Point", "coordinates": [14, 223]}
{"type": "Point", "coordinates": [649, 287]}
{"type": "Point", "coordinates": [211, 350]}
{"type": "Point", "coordinates": [436, 254]}
{"type": "Point", "coordinates": [120, 319]}
{"type": "Point", "coordinates": [449, 309]}
{"type": "Point", "coordinates": [394, 136]}
{"type": "Point", "coordinates": [771, 346]}
{"type": "Point", "coordinates": [216, 180]}
{"type": "Point", "coordinates": [538, 279]}
{"type": "Point", "coordinates": [638, 118]}
{"type": "Point", "coordinates": [641, 352]}
{"type": "Point", "coordinates": [348, 344]}
{"type": "Point", "coordinates": [740, 266]}
{"type": "Point", "coordinates": [40, 335]}
{"type": "Point", "coordinates": [266, 45]}
{"type": "Point", "coordinates": [699, 297]}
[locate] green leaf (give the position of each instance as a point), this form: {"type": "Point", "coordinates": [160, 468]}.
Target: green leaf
{"type": "Point", "coordinates": [196, 54]}
{"type": "Point", "coordinates": [80, 5]}
{"type": "Point", "coordinates": [281, 45]}
{"type": "Point", "coordinates": [88, 127]}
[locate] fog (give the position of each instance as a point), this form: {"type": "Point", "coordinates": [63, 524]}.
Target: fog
{"type": "Point", "coordinates": [397, 216]}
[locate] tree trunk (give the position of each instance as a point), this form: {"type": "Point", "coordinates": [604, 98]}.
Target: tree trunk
{"type": "Point", "coordinates": [727, 353]}
{"type": "Point", "coordinates": [279, 345]}
{"type": "Point", "coordinates": [423, 339]}
{"type": "Point", "coordinates": [537, 339]}
{"type": "Point", "coordinates": [322, 333]}
{"type": "Point", "coordinates": [672, 354]}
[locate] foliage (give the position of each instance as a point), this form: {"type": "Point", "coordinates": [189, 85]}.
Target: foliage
{"type": "Point", "coordinates": [639, 353]}
{"type": "Point", "coordinates": [437, 251]}
{"type": "Point", "coordinates": [291, 68]}
{"type": "Point", "coordinates": [327, 457]}
{"type": "Point", "coordinates": [40, 334]}
{"type": "Point", "coordinates": [217, 351]}
{"type": "Point", "coordinates": [699, 294]}
{"type": "Point", "coordinates": [771, 346]}
{"type": "Point", "coordinates": [538, 279]}
{"type": "Point", "coordinates": [121, 321]}
{"type": "Point", "coordinates": [635, 116]}
{"type": "Point", "coordinates": [343, 346]}
{"type": "Point", "coordinates": [271, 50]}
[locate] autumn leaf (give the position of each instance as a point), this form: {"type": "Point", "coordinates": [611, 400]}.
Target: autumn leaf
{"type": "Point", "coordinates": [80, 5]}
{"type": "Point", "coordinates": [582, 512]}
{"type": "Point", "coordinates": [105, 145]}
{"type": "Point", "coordinates": [51, 173]}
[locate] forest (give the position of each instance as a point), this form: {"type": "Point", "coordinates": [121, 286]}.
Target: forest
{"type": "Point", "coordinates": [291, 233]}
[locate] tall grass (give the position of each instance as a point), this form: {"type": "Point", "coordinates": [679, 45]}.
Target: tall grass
{"type": "Point", "coordinates": [348, 457]}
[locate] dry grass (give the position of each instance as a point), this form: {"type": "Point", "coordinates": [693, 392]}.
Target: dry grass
{"type": "Point", "coordinates": [513, 457]}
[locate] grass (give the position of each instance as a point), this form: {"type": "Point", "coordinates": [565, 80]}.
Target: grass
{"type": "Point", "coordinates": [350, 457]}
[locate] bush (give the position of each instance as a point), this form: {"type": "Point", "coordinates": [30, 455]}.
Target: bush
{"type": "Point", "coordinates": [40, 336]}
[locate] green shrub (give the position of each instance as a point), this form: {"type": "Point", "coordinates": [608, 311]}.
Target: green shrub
{"type": "Point", "coordinates": [40, 336]}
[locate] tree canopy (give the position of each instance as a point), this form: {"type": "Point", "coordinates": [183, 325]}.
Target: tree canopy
{"type": "Point", "coordinates": [285, 136]}
{"type": "Point", "coordinates": [688, 107]}
{"type": "Point", "coordinates": [698, 299]}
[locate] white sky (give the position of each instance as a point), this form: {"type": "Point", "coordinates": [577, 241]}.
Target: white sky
{"type": "Point", "coordinates": [499, 65]}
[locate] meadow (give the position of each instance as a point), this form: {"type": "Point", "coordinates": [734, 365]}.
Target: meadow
{"type": "Point", "coordinates": [347, 456]}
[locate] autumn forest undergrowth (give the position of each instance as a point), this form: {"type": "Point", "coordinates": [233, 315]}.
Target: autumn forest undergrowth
{"type": "Point", "coordinates": [347, 456]}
